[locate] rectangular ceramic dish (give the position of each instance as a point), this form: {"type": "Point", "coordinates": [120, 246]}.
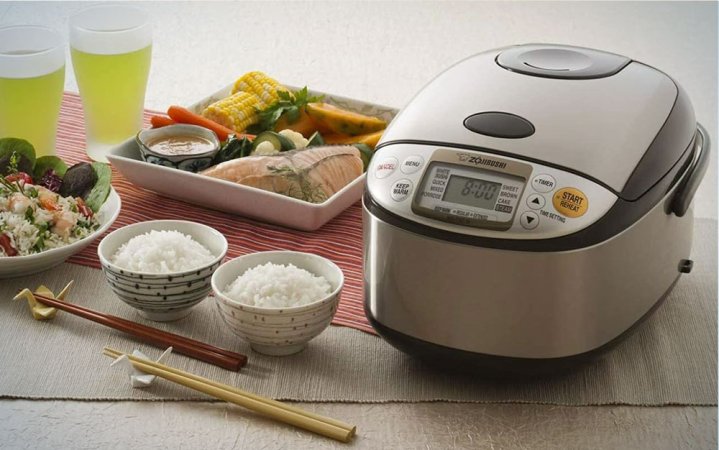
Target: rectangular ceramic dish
{"type": "Point", "coordinates": [238, 199]}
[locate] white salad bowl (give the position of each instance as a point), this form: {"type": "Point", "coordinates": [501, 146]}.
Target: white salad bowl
{"type": "Point", "coordinates": [17, 266]}
{"type": "Point", "coordinates": [278, 331]}
{"type": "Point", "coordinates": [167, 296]}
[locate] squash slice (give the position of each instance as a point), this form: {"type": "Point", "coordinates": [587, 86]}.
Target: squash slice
{"type": "Point", "coordinates": [369, 139]}
{"type": "Point", "coordinates": [341, 121]}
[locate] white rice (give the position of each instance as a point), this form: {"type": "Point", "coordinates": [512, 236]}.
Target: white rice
{"type": "Point", "coordinates": [162, 252]}
{"type": "Point", "coordinates": [277, 286]}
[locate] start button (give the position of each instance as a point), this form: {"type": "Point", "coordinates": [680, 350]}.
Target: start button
{"type": "Point", "coordinates": [570, 202]}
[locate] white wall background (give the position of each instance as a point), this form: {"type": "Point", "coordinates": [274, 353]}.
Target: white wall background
{"type": "Point", "coordinates": [384, 52]}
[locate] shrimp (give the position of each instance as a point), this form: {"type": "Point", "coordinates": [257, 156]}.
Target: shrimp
{"type": "Point", "coordinates": [48, 199]}
{"type": "Point", "coordinates": [65, 221]}
{"type": "Point", "coordinates": [18, 203]}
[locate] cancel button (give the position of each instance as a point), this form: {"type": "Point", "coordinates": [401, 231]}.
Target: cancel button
{"type": "Point", "coordinates": [570, 202]}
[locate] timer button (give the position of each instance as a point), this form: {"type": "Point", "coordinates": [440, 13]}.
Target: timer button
{"type": "Point", "coordinates": [529, 220]}
{"type": "Point", "coordinates": [385, 167]}
{"type": "Point", "coordinates": [543, 183]}
{"type": "Point", "coordinates": [401, 190]}
{"type": "Point", "coordinates": [412, 164]}
{"type": "Point", "coordinates": [536, 201]}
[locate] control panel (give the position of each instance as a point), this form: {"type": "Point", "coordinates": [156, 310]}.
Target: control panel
{"type": "Point", "coordinates": [483, 194]}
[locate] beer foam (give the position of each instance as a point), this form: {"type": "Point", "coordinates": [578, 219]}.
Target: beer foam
{"type": "Point", "coordinates": [110, 30]}
{"type": "Point", "coordinates": [30, 51]}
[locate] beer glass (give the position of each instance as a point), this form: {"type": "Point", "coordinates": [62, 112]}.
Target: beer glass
{"type": "Point", "coordinates": [111, 47]}
{"type": "Point", "coordinates": [32, 77]}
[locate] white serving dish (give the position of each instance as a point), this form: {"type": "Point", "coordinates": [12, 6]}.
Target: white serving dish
{"type": "Point", "coordinates": [278, 331]}
{"type": "Point", "coordinates": [17, 266]}
{"type": "Point", "coordinates": [238, 199]}
{"type": "Point", "coordinates": [162, 296]}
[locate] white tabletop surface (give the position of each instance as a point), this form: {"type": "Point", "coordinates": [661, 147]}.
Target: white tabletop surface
{"type": "Point", "coordinates": [383, 53]}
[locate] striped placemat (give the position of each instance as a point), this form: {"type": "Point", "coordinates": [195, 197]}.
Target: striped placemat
{"type": "Point", "coordinates": [339, 240]}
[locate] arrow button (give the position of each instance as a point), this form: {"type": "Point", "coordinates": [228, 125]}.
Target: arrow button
{"type": "Point", "coordinates": [536, 201]}
{"type": "Point", "coordinates": [529, 220]}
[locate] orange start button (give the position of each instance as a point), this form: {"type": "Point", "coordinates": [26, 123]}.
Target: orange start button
{"type": "Point", "coordinates": [570, 202]}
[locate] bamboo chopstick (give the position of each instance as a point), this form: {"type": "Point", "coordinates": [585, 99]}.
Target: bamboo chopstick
{"type": "Point", "coordinates": [316, 423]}
{"type": "Point", "coordinates": [184, 345]}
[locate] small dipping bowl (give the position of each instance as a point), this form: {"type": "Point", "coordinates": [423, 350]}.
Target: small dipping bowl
{"type": "Point", "coordinates": [167, 296]}
{"type": "Point", "coordinates": [278, 331]}
{"type": "Point", "coordinates": [190, 162]}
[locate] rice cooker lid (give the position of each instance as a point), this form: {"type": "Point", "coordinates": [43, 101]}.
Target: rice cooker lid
{"type": "Point", "coordinates": [616, 121]}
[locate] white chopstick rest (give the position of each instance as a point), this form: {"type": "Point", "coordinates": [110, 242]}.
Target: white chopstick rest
{"type": "Point", "coordinates": [138, 378]}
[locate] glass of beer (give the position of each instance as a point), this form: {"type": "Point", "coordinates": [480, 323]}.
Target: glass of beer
{"type": "Point", "coordinates": [111, 47]}
{"type": "Point", "coordinates": [32, 77]}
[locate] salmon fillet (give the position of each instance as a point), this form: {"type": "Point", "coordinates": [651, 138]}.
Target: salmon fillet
{"type": "Point", "coordinates": [313, 175]}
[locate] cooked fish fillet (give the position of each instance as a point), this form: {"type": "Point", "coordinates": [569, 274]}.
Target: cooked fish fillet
{"type": "Point", "coordinates": [313, 175]}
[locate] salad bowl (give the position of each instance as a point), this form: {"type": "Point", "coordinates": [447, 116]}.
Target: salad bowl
{"type": "Point", "coordinates": [17, 266]}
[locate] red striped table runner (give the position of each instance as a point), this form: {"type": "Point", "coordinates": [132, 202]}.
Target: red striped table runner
{"type": "Point", "coordinates": [339, 240]}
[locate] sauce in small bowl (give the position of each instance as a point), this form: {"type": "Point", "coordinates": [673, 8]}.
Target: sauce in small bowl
{"type": "Point", "coordinates": [181, 144]}
{"type": "Point", "coordinates": [184, 147]}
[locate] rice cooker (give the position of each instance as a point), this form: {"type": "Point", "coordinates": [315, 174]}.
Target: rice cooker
{"type": "Point", "coordinates": [530, 207]}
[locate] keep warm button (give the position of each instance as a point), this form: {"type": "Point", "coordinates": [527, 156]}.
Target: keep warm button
{"type": "Point", "coordinates": [401, 190]}
{"type": "Point", "coordinates": [570, 202]}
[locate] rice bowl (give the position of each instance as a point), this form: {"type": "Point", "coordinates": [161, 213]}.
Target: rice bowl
{"type": "Point", "coordinates": [278, 331]}
{"type": "Point", "coordinates": [162, 296]}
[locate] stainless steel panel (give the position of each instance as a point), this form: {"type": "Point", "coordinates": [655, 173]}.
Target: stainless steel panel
{"type": "Point", "coordinates": [521, 304]}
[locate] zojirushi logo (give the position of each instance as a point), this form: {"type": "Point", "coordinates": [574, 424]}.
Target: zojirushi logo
{"type": "Point", "coordinates": [479, 161]}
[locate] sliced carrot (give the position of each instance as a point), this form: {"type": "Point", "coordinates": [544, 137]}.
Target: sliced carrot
{"type": "Point", "coordinates": [161, 121]}
{"type": "Point", "coordinates": [184, 115]}
{"type": "Point", "coordinates": [83, 208]}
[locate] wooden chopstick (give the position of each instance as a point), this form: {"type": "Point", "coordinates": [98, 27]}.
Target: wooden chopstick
{"type": "Point", "coordinates": [316, 423]}
{"type": "Point", "coordinates": [184, 345]}
{"type": "Point", "coordinates": [130, 323]}
{"type": "Point", "coordinates": [115, 353]}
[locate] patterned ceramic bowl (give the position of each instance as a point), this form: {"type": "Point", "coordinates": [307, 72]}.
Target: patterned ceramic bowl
{"type": "Point", "coordinates": [162, 297]}
{"type": "Point", "coordinates": [188, 162]}
{"type": "Point", "coordinates": [278, 331]}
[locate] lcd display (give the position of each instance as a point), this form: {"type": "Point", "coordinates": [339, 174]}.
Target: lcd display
{"type": "Point", "coordinates": [473, 192]}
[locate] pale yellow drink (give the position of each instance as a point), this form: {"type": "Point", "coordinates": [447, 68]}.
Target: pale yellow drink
{"type": "Point", "coordinates": [111, 46]}
{"type": "Point", "coordinates": [113, 95]}
{"type": "Point", "coordinates": [32, 77]}
{"type": "Point", "coordinates": [29, 109]}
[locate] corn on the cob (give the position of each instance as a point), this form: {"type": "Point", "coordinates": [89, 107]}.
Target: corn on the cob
{"type": "Point", "coordinates": [236, 112]}
{"type": "Point", "coordinates": [259, 84]}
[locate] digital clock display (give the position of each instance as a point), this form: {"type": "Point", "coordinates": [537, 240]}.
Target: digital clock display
{"type": "Point", "coordinates": [472, 192]}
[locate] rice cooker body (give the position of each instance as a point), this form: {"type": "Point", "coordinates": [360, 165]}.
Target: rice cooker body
{"type": "Point", "coordinates": [513, 208]}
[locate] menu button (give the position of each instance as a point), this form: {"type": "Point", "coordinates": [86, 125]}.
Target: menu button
{"type": "Point", "coordinates": [412, 164]}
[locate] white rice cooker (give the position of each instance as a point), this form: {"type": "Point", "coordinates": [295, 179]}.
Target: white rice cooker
{"type": "Point", "coordinates": [529, 207]}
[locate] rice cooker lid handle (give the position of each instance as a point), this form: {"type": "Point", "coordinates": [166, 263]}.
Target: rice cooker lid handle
{"type": "Point", "coordinates": [561, 61]}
